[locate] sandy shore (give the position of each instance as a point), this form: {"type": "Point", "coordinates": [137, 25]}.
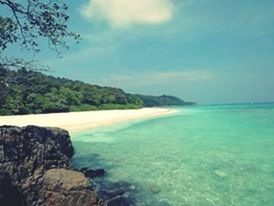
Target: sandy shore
{"type": "Point", "coordinates": [78, 121]}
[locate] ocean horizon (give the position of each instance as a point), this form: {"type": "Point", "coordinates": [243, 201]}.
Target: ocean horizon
{"type": "Point", "coordinates": [201, 155]}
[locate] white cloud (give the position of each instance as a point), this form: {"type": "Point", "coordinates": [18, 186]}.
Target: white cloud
{"type": "Point", "coordinates": [156, 78]}
{"type": "Point", "coordinates": [124, 13]}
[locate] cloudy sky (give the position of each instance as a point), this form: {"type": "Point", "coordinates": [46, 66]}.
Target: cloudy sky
{"type": "Point", "coordinates": [208, 51]}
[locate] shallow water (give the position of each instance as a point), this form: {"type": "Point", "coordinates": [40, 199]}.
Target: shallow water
{"type": "Point", "coordinates": [210, 155]}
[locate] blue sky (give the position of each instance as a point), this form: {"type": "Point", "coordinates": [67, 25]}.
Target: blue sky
{"type": "Point", "coordinates": [208, 51]}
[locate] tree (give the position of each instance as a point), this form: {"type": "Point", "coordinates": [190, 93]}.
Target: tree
{"type": "Point", "coordinates": [3, 85]}
{"type": "Point", "coordinates": [28, 21]}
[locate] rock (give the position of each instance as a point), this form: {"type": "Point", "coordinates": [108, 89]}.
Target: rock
{"type": "Point", "coordinates": [8, 194]}
{"type": "Point", "coordinates": [66, 187]}
{"type": "Point", "coordinates": [154, 188]}
{"type": "Point", "coordinates": [27, 153]}
{"type": "Point", "coordinates": [35, 171]}
{"type": "Point", "coordinates": [107, 194]}
{"type": "Point", "coordinates": [219, 173]}
{"type": "Point", "coordinates": [117, 193]}
{"type": "Point", "coordinates": [91, 173]}
{"type": "Point", "coordinates": [120, 200]}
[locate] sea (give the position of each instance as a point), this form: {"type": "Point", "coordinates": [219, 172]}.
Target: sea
{"type": "Point", "coordinates": [220, 155]}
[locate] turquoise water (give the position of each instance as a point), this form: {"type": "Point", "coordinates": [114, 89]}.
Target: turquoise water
{"type": "Point", "coordinates": [210, 155]}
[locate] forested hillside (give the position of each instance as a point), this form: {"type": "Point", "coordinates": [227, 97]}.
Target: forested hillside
{"type": "Point", "coordinates": [164, 100]}
{"type": "Point", "coordinates": [29, 92]}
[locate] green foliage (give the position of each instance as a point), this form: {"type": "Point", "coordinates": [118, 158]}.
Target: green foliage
{"type": "Point", "coordinates": [7, 32]}
{"type": "Point", "coordinates": [164, 100]}
{"type": "Point", "coordinates": [83, 107]}
{"type": "Point", "coordinates": [29, 21]}
{"type": "Point", "coordinates": [29, 92]}
{"type": "Point", "coordinates": [25, 23]}
{"type": "Point", "coordinates": [118, 106]}
{"type": "Point", "coordinates": [3, 86]}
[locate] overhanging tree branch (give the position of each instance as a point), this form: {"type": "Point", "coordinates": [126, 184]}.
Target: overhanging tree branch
{"type": "Point", "coordinates": [27, 22]}
{"type": "Point", "coordinates": [36, 19]}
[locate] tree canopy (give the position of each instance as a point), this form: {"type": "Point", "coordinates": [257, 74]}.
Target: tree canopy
{"type": "Point", "coordinates": [26, 22]}
{"type": "Point", "coordinates": [164, 100]}
{"type": "Point", "coordinates": [30, 92]}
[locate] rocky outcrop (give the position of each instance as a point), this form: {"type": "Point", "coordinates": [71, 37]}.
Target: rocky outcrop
{"type": "Point", "coordinates": [8, 193]}
{"type": "Point", "coordinates": [35, 170]}
{"type": "Point", "coordinates": [91, 173]}
{"type": "Point", "coordinates": [27, 157]}
{"type": "Point", "coordinates": [116, 193]}
{"type": "Point", "coordinates": [65, 187]}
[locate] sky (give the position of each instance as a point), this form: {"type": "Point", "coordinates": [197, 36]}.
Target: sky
{"type": "Point", "coordinates": [207, 51]}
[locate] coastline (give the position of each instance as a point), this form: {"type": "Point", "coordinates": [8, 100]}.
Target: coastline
{"type": "Point", "coordinates": [79, 121]}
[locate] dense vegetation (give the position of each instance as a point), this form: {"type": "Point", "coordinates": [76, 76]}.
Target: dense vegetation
{"type": "Point", "coordinates": [164, 100]}
{"type": "Point", "coordinates": [29, 92]}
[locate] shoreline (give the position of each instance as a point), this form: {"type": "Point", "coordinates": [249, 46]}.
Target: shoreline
{"type": "Point", "coordinates": [79, 121]}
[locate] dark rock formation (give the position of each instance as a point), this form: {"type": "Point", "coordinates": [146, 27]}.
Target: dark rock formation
{"type": "Point", "coordinates": [66, 187]}
{"type": "Point", "coordinates": [116, 193]}
{"type": "Point", "coordinates": [35, 171]}
{"type": "Point", "coordinates": [120, 200]}
{"type": "Point", "coordinates": [8, 194]}
{"type": "Point", "coordinates": [27, 153]}
{"type": "Point", "coordinates": [91, 173]}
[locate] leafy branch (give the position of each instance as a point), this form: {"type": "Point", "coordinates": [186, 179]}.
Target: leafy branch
{"type": "Point", "coordinates": [34, 19]}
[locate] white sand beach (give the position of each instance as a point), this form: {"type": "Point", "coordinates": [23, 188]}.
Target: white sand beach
{"type": "Point", "coordinates": [78, 121]}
